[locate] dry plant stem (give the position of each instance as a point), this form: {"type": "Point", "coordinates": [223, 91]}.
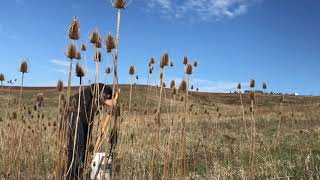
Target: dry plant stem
{"type": "Point", "coordinates": [19, 104]}
{"type": "Point", "coordinates": [253, 141]}
{"type": "Point", "coordinates": [242, 108]}
{"type": "Point", "coordinates": [69, 83]}
{"type": "Point", "coordinates": [130, 93]}
{"type": "Point", "coordinates": [75, 132]}
{"type": "Point", "coordinates": [115, 71]}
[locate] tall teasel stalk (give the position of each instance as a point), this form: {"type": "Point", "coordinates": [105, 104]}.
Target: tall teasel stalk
{"type": "Point", "coordinates": [84, 49]}
{"type": "Point", "coordinates": [2, 78]}
{"type": "Point", "coordinates": [80, 72]}
{"type": "Point", "coordinates": [242, 108]}
{"type": "Point", "coordinates": [120, 5]}
{"type": "Point", "coordinates": [150, 73]}
{"type": "Point", "coordinates": [74, 34]}
{"type": "Point", "coordinates": [183, 88]}
{"type": "Point", "coordinates": [61, 129]}
{"type": "Point", "coordinates": [131, 73]}
{"type": "Point", "coordinates": [163, 63]}
{"type": "Point", "coordinates": [24, 68]}
{"type": "Point", "coordinates": [173, 93]}
{"type": "Point", "coordinates": [252, 130]}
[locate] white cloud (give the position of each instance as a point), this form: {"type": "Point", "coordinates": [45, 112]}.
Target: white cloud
{"type": "Point", "coordinates": [205, 85]}
{"type": "Point", "coordinates": [60, 62]}
{"type": "Point", "coordinates": [204, 10]}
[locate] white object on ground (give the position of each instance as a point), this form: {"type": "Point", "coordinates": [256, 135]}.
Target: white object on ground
{"type": "Point", "coordinates": [99, 160]}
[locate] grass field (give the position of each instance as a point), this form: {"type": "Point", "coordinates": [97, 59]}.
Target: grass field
{"type": "Point", "coordinates": [217, 142]}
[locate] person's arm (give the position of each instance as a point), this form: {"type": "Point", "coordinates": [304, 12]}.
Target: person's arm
{"type": "Point", "coordinates": [111, 103]}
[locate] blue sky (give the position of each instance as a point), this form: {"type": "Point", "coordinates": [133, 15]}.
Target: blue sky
{"type": "Point", "coordinates": [271, 41]}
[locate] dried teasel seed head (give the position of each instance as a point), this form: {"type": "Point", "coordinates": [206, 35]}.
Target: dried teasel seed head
{"type": "Point", "coordinates": [94, 37]}
{"type": "Point", "coordinates": [98, 44]}
{"type": "Point", "coordinates": [74, 29]}
{"type": "Point", "coordinates": [183, 86]}
{"type": "Point", "coordinates": [239, 86]}
{"type": "Point", "coordinates": [152, 61]}
{"type": "Point", "coordinates": [108, 70]}
{"type": "Point", "coordinates": [2, 78]}
{"type": "Point", "coordinates": [119, 4]}
{"type": "Point", "coordinates": [195, 64]}
{"type": "Point", "coordinates": [172, 84]}
{"type": "Point", "coordinates": [137, 77]}
{"type": "Point", "coordinates": [110, 45]}
{"type": "Point", "coordinates": [72, 51]}
{"type": "Point", "coordinates": [60, 86]}
{"type": "Point", "coordinates": [83, 47]}
{"type": "Point", "coordinates": [164, 60]}
{"type": "Point", "coordinates": [24, 66]}
{"type": "Point", "coordinates": [188, 69]}
{"type": "Point", "coordinates": [97, 56]}
{"type": "Point", "coordinates": [131, 69]}
{"type": "Point", "coordinates": [150, 70]}
{"type": "Point", "coordinates": [264, 86]}
{"type": "Point", "coordinates": [185, 60]}
{"type": "Point", "coordinates": [40, 97]}
{"type": "Point", "coordinates": [78, 56]}
{"type": "Point", "coordinates": [80, 72]}
{"type": "Point", "coordinates": [164, 84]}
{"type": "Point", "coordinates": [171, 64]}
{"type": "Point", "coordinates": [252, 83]}
{"type": "Point", "coordinates": [191, 87]}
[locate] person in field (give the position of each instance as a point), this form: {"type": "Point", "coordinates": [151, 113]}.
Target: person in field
{"type": "Point", "coordinates": [88, 110]}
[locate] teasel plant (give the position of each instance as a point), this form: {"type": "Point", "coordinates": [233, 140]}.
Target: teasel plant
{"type": "Point", "coordinates": [163, 63]}
{"type": "Point", "coordinates": [183, 89]}
{"type": "Point", "coordinates": [80, 73]}
{"type": "Point", "coordinates": [2, 78]}
{"type": "Point", "coordinates": [252, 130]}
{"type": "Point", "coordinates": [239, 87]}
{"type": "Point", "coordinates": [84, 50]}
{"type": "Point", "coordinates": [61, 135]}
{"type": "Point", "coordinates": [150, 73]}
{"type": "Point", "coordinates": [24, 68]}
{"type": "Point", "coordinates": [131, 73]}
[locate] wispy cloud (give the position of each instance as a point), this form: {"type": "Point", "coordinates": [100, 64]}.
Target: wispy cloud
{"type": "Point", "coordinates": [20, 2]}
{"type": "Point", "coordinates": [204, 10]}
{"type": "Point", "coordinates": [60, 62]}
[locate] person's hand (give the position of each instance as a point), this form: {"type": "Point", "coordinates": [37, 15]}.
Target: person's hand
{"type": "Point", "coordinates": [113, 102]}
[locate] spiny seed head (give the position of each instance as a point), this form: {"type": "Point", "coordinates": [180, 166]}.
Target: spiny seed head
{"type": "Point", "coordinates": [183, 86]}
{"type": "Point", "coordinates": [137, 77]}
{"type": "Point", "coordinates": [171, 64]}
{"type": "Point", "coordinates": [110, 45]}
{"type": "Point", "coordinates": [94, 37]}
{"type": "Point", "coordinates": [97, 56]}
{"type": "Point", "coordinates": [152, 60]}
{"type": "Point", "coordinates": [195, 64]}
{"type": "Point", "coordinates": [83, 47]}
{"type": "Point", "coordinates": [2, 78]}
{"type": "Point", "coordinates": [108, 70]}
{"type": "Point", "coordinates": [188, 69]}
{"type": "Point", "coordinates": [24, 66]}
{"type": "Point", "coordinates": [98, 44]}
{"type": "Point", "coordinates": [264, 86]}
{"type": "Point", "coordinates": [172, 84]}
{"type": "Point", "coordinates": [131, 70]}
{"type": "Point", "coordinates": [252, 83]}
{"type": "Point", "coordinates": [74, 29]}
{"type": "Point", "coordinates": [150, 70]}
{"type": "Point", "coordinates": [191, 87]}
{"type": "Point", "coordinates": [78, 56]}
{"type": "Point", "coordinates": [119, 4]}
{"type": "Point", "coordinates": [72, 51]}
{"type": "Point", "coordinates": [60, 86]}
{"type": "Point", "coordinates": [239, 86]}
{"type": "Point", "coordinates": [185, 60]}
{"type": "Point", "coordinates": [80, 72]}
{"type": "Point", "coordinates": [165, 59]}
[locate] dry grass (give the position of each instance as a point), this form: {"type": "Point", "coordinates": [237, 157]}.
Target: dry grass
{"type": "Point", "coordinates": [216, 143]}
